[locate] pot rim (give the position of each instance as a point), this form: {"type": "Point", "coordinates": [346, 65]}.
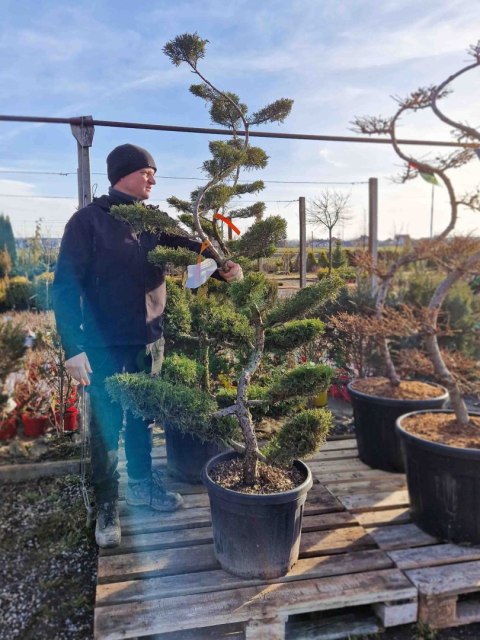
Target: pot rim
{"type": "Point", "coordinates": [391, 401]}
{"type": "Point", "coordinates": [439, 447]}
{"type": "Point", "coordinates": [249, 498]}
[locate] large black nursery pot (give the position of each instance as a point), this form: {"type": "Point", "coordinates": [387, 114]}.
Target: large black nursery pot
{"type": "Point", "coordinates": [444, 486]}
{"type": "Point", "coordinates": [375, 417]}
{"type": "Point", "coordinates": [256, 535]}
{"type": "Point", "coordinates": [187, 454]}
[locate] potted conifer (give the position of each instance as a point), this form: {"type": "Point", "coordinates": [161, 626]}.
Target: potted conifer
{"type": "Point", "coordinates": [378, 402]}
{"type": "Point", "coordinates": [256, 493]}
{"type": "Point", "coordinates": [442, 449]}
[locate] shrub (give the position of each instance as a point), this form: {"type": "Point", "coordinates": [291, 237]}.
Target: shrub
{"type": "Point", "coordinates": [19, 292]}
{"type": "Point", "coordinates": [41, 289]}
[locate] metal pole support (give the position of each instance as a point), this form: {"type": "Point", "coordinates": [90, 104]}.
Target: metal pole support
{"type": "Point", "coordinates": [373, 226]}
{"type": "Point", "coordinates": [83, 134]}
{"type": "Point", "coordinates": [303, 242]}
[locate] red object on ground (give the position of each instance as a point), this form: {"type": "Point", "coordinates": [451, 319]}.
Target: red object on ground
{"type": "Point", "coordinates": [34, 426]}
{"type": "Point", "coordinates": [8, 428]}
{"type": "Point", "coordinates": [69, 419]}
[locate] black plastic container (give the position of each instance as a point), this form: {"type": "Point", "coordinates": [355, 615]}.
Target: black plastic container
{"type": "Point", "coordinates": [444, 486]}
{"type": "Point", "coordinates": [256, 535]}
{"type": "Point", "coordinates": [187, 455]}
{"type": "Point", "coordinates": [375, 417]}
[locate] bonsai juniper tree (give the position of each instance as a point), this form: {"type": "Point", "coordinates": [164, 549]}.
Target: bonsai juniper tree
{"type": "Point", "coordinates": [432, 169]}
{"type": "Point", "coordinates": [250, 319]}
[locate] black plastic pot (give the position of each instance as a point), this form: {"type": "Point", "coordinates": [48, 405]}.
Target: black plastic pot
{"type": "Point", "coordinates": [444, 486]}
{"type": "Point", "coordinates": [187, 454]}
{"type": "Point", "coordinates": [256, 535]}
{"type": "Point", "coordinates": [374, 417]}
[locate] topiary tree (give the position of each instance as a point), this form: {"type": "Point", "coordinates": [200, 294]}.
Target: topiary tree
{"type": "Point", "coordinates": [242, 321]}
{"type": "Point", "coordinates": [459, 257]}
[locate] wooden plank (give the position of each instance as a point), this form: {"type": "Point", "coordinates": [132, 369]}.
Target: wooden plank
{"type": "Point", "coordinates": [334, 541]}
{"type": "Point", "coordinates": [325, 466]}
{"type": "Point", "coordinates": [439, 554]}
{"type": "Point", "coordinates": [146, 520]}
{"type": "Point", "coordinates": [344, 475]}
{"type": "Point", "coordinates": [161, 540]}
{"type": "Point", "coordinates": [321, 500]}
{"type": "Point", "coordinates": [220, 580]}
{"type": "Point", "coordinates": [142, 539]}
{"type": "Point", "coordinates": [114, 622]}
{"type": "Point", "coordinates": [336, 454]}
{"type": "Point", "coordinates": [384, 517]}
{"type": "Point", "coordinates": [371, 501]}
{"type": "Point", "coordinates": [373, 485]}
{"type": "Point", "coordinates": [393, 614]}
{"type": "Point", "coordinates": [401, 536]}
{"type": "Point", "coordinates": [129, 566]}
{"type": "Point", "coordinates": [168, 560]}
{"type": "Point", "coordinates": [189, 500]}
{"type": "Point", "coordinates": [334, 445]}
{"type": "Point", "coordinates": [451, 579]}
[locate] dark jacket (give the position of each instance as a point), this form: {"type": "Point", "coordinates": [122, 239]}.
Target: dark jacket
{"type": "Point", "coordinates": [105, 291]}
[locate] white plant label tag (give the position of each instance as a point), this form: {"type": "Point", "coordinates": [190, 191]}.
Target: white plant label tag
{"type": "Point", "coordinates": [198, 274]}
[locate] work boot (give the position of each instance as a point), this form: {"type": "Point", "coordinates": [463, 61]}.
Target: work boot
{"type": "Point", "coordinates": [107, 530]}
{"type": "Point", "coordinates": [151, 492]}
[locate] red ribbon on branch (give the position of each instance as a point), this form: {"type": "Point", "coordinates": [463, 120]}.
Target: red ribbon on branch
{"type": "Point", "coordinates": [228, 222]}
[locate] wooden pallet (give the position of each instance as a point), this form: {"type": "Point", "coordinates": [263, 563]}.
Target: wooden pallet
{"type": "Point", "coordinates": [446, 576]}
{"type": "Point", "coordinates": [164, 578]}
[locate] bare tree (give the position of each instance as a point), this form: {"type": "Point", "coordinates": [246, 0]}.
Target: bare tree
{"type": "Point", "coordinates": [329, 209]}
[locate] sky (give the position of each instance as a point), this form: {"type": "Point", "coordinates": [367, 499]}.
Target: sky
{"type": "Point", "coordinates": [336, 60]}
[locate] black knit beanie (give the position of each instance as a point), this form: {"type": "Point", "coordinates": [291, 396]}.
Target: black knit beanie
{"type": "Point", "coordinates": [126, 159]}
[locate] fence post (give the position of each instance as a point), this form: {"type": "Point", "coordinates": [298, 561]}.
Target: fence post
{"type": "Point", "coordinates": [303, 242]}
{"type": "Point", "coordinates": [373, 226]}
{"type": "Point", "coordinates": [83, 134]}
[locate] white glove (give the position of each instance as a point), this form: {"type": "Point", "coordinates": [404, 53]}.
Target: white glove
{"type": "Point", "coordinates": [79, 368]}
{"type": "Point", "coordinates": [231, 271]}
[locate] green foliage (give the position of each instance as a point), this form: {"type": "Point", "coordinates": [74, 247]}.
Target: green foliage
{"type": "Point", "coordinates": [338, 256]}
{"type": "Point", "coordinates": [5, 263]}
{"type": "Point", "coordinates": [322, 259]}
{"type": "Point", "coordinates": [12, 348]}
{"type": "Point", "coordinates": [7, 240]}
{"type": "Point", "coordinates": [182, 369]}
{"type": "Point", "coordinates": [262, 238]}
{"type": "Point", "coordinates": [181, 257]}
{"type": "Point", "coordinates": [275, 112]}
{"type": "Point", "coordinates": [19, 292]}
{"type": "Point", "coordinates": [189, 48]}
{"type": "Point", "coordinates": [255, 210]}
{"type": "Point", "coordinates": [220, 321]}
{"type": "Point", "coordinates": [346, 273]}
{"type": "Point", "coordinates": [187, 219]}
{"type": "Point", "coordinates": [460, 310]}
{"type": "Point", "coordinates": [177, 316]}
{"type": "Point", "coordinates": [306, 302]}
{"type": "Point", "coordinates": [305, 380]}
{"type": "Point", "coordinates": [143, 217]}
{"type": "Point", "coordinates": [293, 334]}
{"type": "Point", "coordinates": [180, 406]}
{"type": "Point", "coordinates": [311, 262]}
{"type": "Point", "coordinates": [254, 292]}
{"type": "Point", "coordinates": [299, 437]}
{"type": "Point", "coordinates": [41, 290]}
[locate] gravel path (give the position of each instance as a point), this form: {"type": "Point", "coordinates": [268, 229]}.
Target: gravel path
{"type": "Point", "coordinates": [48, 562]}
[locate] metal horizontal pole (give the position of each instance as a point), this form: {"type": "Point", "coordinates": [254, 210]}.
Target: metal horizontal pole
{"type": "Point", "coordinates": [227, 132]}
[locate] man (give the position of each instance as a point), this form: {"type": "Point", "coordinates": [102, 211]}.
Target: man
{"type": "Point", "coordinates": [109, 303]}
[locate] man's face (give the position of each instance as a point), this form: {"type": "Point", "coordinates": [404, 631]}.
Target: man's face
{"type": "Point", "coordinates": [137, 184]}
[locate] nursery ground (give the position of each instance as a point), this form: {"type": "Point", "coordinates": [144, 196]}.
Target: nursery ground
{"type": "Point", "coordinates": [49, 559]}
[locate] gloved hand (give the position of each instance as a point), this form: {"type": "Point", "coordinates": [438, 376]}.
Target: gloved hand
{"type": "Point", "coordinates": [231, 271]}
{"type": "Point", "coordinates": [79, 368]}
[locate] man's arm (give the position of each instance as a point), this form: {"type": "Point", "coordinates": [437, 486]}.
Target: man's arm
{"type": "Point", "coordinates": [230, 272]}
{"type": "Point", "coordinates": [74, 258]}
